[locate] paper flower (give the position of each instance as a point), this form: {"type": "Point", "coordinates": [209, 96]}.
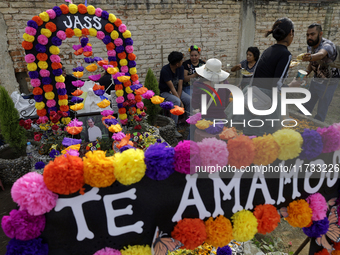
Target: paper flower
{"type": "Point", "coordinates": [106, 113]}
{"type": "Point", "coordinates": [108, 251]}
{"type": "Point", "coordinates": [75, 123]}
{"type": "Point", "coordinates": [115, 128]}
{"type": "Point", "coordinates": [182, 157]}
{"type": "Point", "coordinates": [266, 150]}
{"type": "Point", "coordinates": [103, 104]}
{"type": "Point", "coordinates": [299, 213]}
{"type": "Point", "coordinates": [159, 160]}
{"type": "Point", "coordinates": [77, 107]}
{"type": "Point", "coordinates": [318, 204]}
{"type": "Point", "coordinates": [136, 250]}
{"type": "Point", "coordinates": [317, 229]}
{"type": "Point", "coordinates": [244, 225]}
{"type": "Point", "coordinates": [95, 77]}
{"type": "Point", "coordinates": [39, 165]}
{"type": "Point", "coordinates": [118, 136]}
{"type": "Point", "coordinates": [267, 218]}
{"type": "Point", "coordinates": [154, 99]}
{"type": "Point", "coordinates": [219, 231]}
{"type": "Point", "coordinates": [91, 68]}
{"type": "Point", "coordinates": [330, 138]}
{"type": "Point", "coordinates": [74, 130]}
{"type": "Point", "coordinates": [213, 152]}
{"type": "Point", "coordinates": [193, 119]}
{"type": "Point", "coordinates": [241, 151]}
{"type": "Point", "coordinates": [34, 246]}
{"type": "Point", "coordinates": [70, 141]}
{"type": "Point", "coordinates": [31, 194]}
{"type": "Point", "coordinates": [190, 232]}
{"type": "Point", "coordinates": [226, 250]}
{"type": "Point", "coordinates": [290, 142]}
{"type": "Point", "coordinates": [203, 124]}
{"type": "Point", "coordinates": [149, 94]}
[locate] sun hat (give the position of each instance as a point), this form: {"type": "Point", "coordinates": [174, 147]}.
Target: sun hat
{"type": "Point", "coordinates": [212, 70]}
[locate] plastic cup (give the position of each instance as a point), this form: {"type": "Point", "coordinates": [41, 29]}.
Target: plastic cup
{"type": "Point", "coordinates": [301, 74]}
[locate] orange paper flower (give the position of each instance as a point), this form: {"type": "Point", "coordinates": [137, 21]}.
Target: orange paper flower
{"type": "Point", "coordinates": [228, 133]}
{"type": "Point", "coordinates": [56, 66]}
{"type": "Point", "coordinates": [299, 213]}
{"type": "Point", "coordinates": [42, 56]}
{"type": "Point", "coordinates": [41, 112]}
{"type": "Point", "coordinates": [110, 46]}
{"type": "Point", "coordinates": [85, 31]}
{"type": "Point", "coordinates": [38, 20]}
{"type": "Point", "coordinates": [48, 88]}
{"type": "Point", "coordinates": [51, 26]}
{"type": "Point", "coordinates": [64, 9]}
{"type": "Point", "coordinates": [108, 27]}
{"type": "Point", "coordinates": [102, 62]}
{"type": "Point", "coordinates": [267, 218]}
{"type": "Point", "coordinates": [27, 45]}
{"type": "Point", "coordinates": [121, 55]}
{"type": "Point", "coordinates": [74, 130]}
{"type": "Point", "coordinates": [69, 32]}
{"type": "Point", "coordinates": [82, 9]}
{"type": "Point", "coordinates": [177, 110]}
{"type": "Point", "coordinates": [142, 90]}
{"type": "Point", "coordinates": [131, 56]}
{"type": "Point", "coordinates": [77, 93]}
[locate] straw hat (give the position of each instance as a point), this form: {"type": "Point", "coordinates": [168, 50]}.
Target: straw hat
{"type": "Point", "coordinates": [212, 70]}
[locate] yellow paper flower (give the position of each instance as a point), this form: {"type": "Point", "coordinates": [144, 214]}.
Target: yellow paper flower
{"type": "Point", "coordinates": [266, 150]}
{"type": "Point", "coordinates": [139, 111]}
{"type": "Point", "coordinates": [113, 70]}
{"type": "Point", "coordinates": [115, 128]}
{"type": "Point", "coordinates": [203, 124]}
{"type": "Point", "coordinates": [123, 78]}
{"type": "Point", "coordinates": [290, 142]}
{"type": "Point", "coordinates": [32, 66]}
{"type": "Point", "coordinates": [92, 31]}
{"type": "Point", "coordinates": [123, 62]}
{"type": "Point", "coordinates": [60, 78]}
{"type": "Point", "coordinates": [133, 70]}
{"type": "Point", "coordinates": [54, 50]}
{"type": "Point", "coordinates": [112, 18]}
{"type": "Point", "coordinates": [66, 120]}
{"type": "Point", "coordinates": [49, 95]}
{"type": "Point", "coordinates": [127, 34]}
{"type": "Point", "coordinates": [157, 99]}
{"type": "Point", "coordinates": [72, 147]}
{"type": "Point", "coordinates": [63, 102]}
{"type": "Point", "coordinates": [129, 166]}
{"type": "Point", "coordinates": [91, 10]}
{"type": "Point", "coordinates": [103, 104]}
{"type": "Point", "coordinates": [245, 225]}
{"type": "Point", "coordinates": [128, 90]}
{"type": "Point", "coordinates": [28, 38]}
{"type": "Point", "coordinates": [98, 169]}
{"type": "Point", "coordinates": [299, 213]}
{"type": "Point", "coordinates": [91, 68]}
{"type": "Point", "coordinates": [44, 16]}
{"type": "Point", "coordinates": [122, 116]}
{"type": "Point", "coordinates": [219, 231]}
{"type": "Point", "coordinates": [114, 34]}
{"type": "Point", "coordinates": [46, 32]}
{"type": "Point", "coordinates": [136, 250]}
{"type": "Point", "coordinates": [119, 93]}
{"type": "Point", "coordinates": [78, 74]}
{"type": "Point", "coordinates": [73, 8]}
{"type": "Point", "coordinates": [77, 32]}
{"type": "Point", "coordinates": [42, 65]}
{"type": "Point", "coordinates": [77, 107]}
{"type": "Point", "coordinates": [40, 105]}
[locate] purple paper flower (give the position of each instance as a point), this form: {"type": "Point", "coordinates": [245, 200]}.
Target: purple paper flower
{"type": "Point", "coordinates": [120, 105]}
{"type": "Point", "coordinates": [317, 229]}
{"type": "Point", "coordinates": [40, 48]}
{"type": "Point", "coordinates": [128, 41]}
{"type": "Point", "coordinates": [105, 15]}
{"type": "Point", "coordinates": [34, 246]}
{"type": "Point", "coordinates": [106, 113]}
{"type": "Point", "coordinates": [226, 250]}
{"type": "Point", "coordinates": [32, 23]}
{"type": "Point", "coordinates": [312, 144]}
{"type": "Point", "coordinates": [57, 11]}
{"type": "Point", "coordinates": [46, 80]}
{"type": "Point", "coordinates": [76, 100]}
{"type": "Point", "coordinates": [54, 109]}
{"type": "Point", "coordinates": [126, 147]}
{"type": "Point", "coordinates": [61, 92]}
{"type": "Point", "coordinates": [57, 72]}
{"type": "Point", "coordinates": [110, 122]}
{"type": "Point", "coordinates": [88, 48]}
{"type": "Point", "coordinates": [70, 141]}
{"type": "Point", "coordinates": [76, 47]}
{"type": "Point", "coordinates": [136, 86]}
{"type": "Point", "coordinates": [132, 63]}
{"type": "Point", "coordinates": [117, 82]}
{"type": "Point", "coordinates": [118, 136]}
{"type": "Point", "coordinates": [97, 59]}
{"type": "Point", "coordinates": [214, 130]}
{"type": "Point", "coordinates": [38, 98]}
{"type": "Point", "coordinates": [39, 165]}
{"type": "Point", "coordinates": [99, 92]}
{"type": "Point", "coordinates": [88, 60]}
{"type": "Point", "coordinates": [112, 59]}
{"type": "Point", "coordinates": [54, 153]}
{"type": "Point", "coordinates": [84, 41]}
{"type": "Point", "coordinates": [159, 160]}
{"type": "Point", "coordinates": [120, 49]}
{"type": "Point", "coordinates": [56, 41]}
{"type": "Point", "coordinates": [107, 39]}
{"type": "Point", "coordinates": [167, 105]}
{"type": "Point", "coordinates": [33, 74]}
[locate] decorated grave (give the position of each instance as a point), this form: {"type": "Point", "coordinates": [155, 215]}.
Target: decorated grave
{"type": "Point", "coordinates": [202, 194]}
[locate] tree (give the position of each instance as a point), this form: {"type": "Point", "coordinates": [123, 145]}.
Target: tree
{"type": "Point", "coordinates": [151, 83]}
{"type": "Point", "coordinates": [13, 133]}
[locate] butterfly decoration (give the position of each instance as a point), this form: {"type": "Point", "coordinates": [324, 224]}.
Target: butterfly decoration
{"type": "Point", "coordinates": [333, 232]}
{"type": "Point", "coordinates": [161, 245]}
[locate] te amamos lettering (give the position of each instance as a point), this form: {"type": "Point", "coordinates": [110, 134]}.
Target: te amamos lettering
{"type": "Point", "coordinates": [75, 21]}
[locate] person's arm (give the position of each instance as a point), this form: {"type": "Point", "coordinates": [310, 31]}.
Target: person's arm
{"type": "Point", "coordinates": [281, 69]}
{"type": "Point", "coordinates": [172, 88]}
{"type": "Point", "coordinates": [236, 68]}
{"type": "Point", "coordinates": [188, 77]}
{"type": "Point", "coordinates": [179, 90]}
{"type": "Point", "coordinates": [316, 56]}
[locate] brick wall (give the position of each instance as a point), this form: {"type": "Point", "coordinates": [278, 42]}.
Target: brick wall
{"type": "Point", "coordinates": [171, 25]}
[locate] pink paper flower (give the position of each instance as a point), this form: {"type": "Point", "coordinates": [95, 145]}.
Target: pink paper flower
{"type": "Point", "coordinates": [129, 49]}
{"type": "Point", "coordinates": [43, 119]}
{"type": "Point", "coordinates": [111, 53]}
{"type": "Point", "coordinates": [100, 35]}
{"type": "Point", "coordinates": [35, 82]}
{"type": "Point", "coordinates": [107, 66]}
{"type": "Point", "coordinates": [98, 12]}
{"type": "Point", "coordinates": [60, 85]}
{"type": "Point", "coordinates": [44, 73]}
{"type": "Point", "coordinates": [193, 119]}
{"type": "Point", "coordinates": [30, 30]}
{"type": "Point", "coordinates": [140, 105]}
{"type": "Point", "coordinates": [108, 251]}
{"type": "Point", "coordinates": [95, 77]}
{"type": "Point", "coordinates": [131, 96]}
{"type": "Point", "coordinates": [55, 59]}
{"type": "Point", "coordinates": [29, 58]}
{"type": "Point", "coordinates": [78, 83]}
{"type": "Point", "coordinates": [124, 69]}
{"type": "Point", "coordinates": [106, 113]}
{"type": "Point", "coordinates": [72, 152]}
{"type": "Point", "coordinates": [75, 123]}
{"type": "Point", "coordinates": [43, 40]}
{"type": "Point", "coordinates": [122, 28]}
{"type": "Point", "coordinates": [118, 136]}
{"type": "Point", "coordinates": [124, 122]}
{"type": "Point", "coordinates": [51, 103]}
{"type": "Point", "coordinates": [148, 94]}
{"type": "Point", "coordinates": [318, 204]}
{"type": "Point", "coordinates": [135, 82]}
{"type": "Point", "coordinates": [51, 13]}
{"type": "Point", "coordinates": [87, 48]}
{"type": "Point", "coordinates": [118, 75]}
{"type": "Point", "coordinates": [118, 42]}
{"type": "Point", "coordinates": [61, 35]}
{"type": "Point", "coordinates": [120, 100]}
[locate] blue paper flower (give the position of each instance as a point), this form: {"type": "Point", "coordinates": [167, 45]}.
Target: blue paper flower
{"type": "Point", "coordinates": [317, 229]}
{"type": "Point", "coordinates": [57, 11]}
{"type": "Point", "coordinates": [34, 246]}
{"type": "Point", "coordinates": [56, 41]}
{"type": "Point", "coordinates": [33, 74]}
{"type": "Point", "coordinates": [32, 23]}
{"type": "Point", "coordinates": [226, 250]}
{"type": "Point", "coordinates": [167, 105]}
{"type": "Point", "coordinates": [40, 48]}
{"type": "Point", "coordinates": [39, 165]}
{"type": "Point", "coordinates": [128, 41]}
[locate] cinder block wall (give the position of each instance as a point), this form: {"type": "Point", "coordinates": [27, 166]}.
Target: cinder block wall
{"type": "Point", "coordinates": [161, 26]}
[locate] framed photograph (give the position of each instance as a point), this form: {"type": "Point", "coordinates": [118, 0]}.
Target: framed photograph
{"type": "Point", "coordinates": [93, 127]}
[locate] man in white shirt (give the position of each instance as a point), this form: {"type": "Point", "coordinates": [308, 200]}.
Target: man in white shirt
{"type": "Point", "coordinates": [94, 132]}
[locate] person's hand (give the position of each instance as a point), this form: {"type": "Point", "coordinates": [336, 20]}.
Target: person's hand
{"type": "Point", "coordinates": [196, 111]}
{"type": "Point", "coordinates": [239, 67]}
{"type": "Point", "coordinates": [307, 57]}
{"type": "Point", "coordinates": [295, 83]}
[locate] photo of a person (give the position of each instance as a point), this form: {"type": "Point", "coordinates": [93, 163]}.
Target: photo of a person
{"type": "Point", "coordinates": [93, 131]}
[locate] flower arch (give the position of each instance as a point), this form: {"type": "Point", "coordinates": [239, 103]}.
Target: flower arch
{"type": "Point", "coordinates": [47, 31]}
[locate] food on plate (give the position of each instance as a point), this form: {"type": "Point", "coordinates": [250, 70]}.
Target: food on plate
{"type": "Point", "coordinates": [294, 63]}
{"type": "Point", "coordinates": [300, 56]}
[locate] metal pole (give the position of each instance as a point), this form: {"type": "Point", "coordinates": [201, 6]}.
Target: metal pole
{"type": "Point", "coordinates": [162, 55]}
